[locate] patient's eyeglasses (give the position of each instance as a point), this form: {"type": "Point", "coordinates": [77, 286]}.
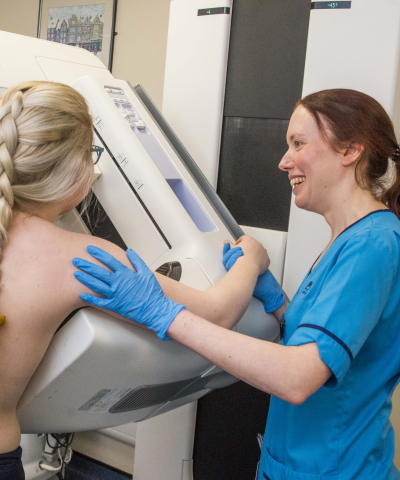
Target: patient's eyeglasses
{"type": "Point", "coordinates": [98, 150]}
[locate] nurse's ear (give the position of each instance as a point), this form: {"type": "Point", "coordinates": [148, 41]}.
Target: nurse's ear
{"type": "Point", "coordinates": [351, 154]}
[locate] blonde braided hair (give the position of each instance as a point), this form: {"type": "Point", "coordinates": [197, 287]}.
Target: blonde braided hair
{"type": "Point", "coordinates": [9, 113]}
{"type": "Point", "coordinates": [46, 136]}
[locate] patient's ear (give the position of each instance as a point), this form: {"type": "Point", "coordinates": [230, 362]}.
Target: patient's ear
{"type": "Point", "coordinates": [352, 154]}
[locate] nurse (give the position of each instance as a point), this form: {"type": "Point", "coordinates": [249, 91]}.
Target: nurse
{"type": "Point", "coordinates": [332, 377]}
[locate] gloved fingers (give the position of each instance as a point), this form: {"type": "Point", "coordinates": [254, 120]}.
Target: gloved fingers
{"type": "Point", "coordinates": [236, 253]}
{"type": "Point", "coordinates": [136, 261]}
{"type": "Point", "coordinates": [226, 248]}
{"type": "Point", "coordinates": [105, 257]}
{"type": "Point", "coordinates": [96, 301]}
{"type": "Point", "coordinates": [93, 283]}
{"type": "Point", "coordinates": [231, 256]}
{"type": "Point", "coordinates": [95, 270]}
{"type": "Point", "coordinates": [230, 263]}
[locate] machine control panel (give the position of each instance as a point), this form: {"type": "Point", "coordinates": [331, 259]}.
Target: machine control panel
{"type": "Point", "coordinates": [123, 104]}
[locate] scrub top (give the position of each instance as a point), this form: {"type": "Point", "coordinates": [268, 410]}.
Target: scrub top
{"type": "Point", "coordinates": [349, 304]}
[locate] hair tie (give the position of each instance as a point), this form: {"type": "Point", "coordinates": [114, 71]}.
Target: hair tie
{"type": "Point", "coordinates": [396, 155]}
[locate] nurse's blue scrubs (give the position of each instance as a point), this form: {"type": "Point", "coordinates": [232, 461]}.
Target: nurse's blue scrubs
{"type": "Point", "coordinates": [349, 304]}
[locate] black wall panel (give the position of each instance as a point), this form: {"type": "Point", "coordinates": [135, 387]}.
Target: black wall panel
{"type": "Point", "coordinates": [226, 446]}
{"type": "Point", "coordinates": [250, 183]}
{"type": "Point", "coordinates": [266, 57]}
{"type": "Point", "coordinates": [264, 81]}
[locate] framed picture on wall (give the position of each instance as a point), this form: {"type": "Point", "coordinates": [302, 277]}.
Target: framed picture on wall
{"type": "Point", "coordinates": [88, 24]}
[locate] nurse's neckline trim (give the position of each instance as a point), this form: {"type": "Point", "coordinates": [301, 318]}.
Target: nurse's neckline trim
{"type": "Point", "coordinates": [347, 228]}
{"type": "Point", "coordinates": [362, 218]}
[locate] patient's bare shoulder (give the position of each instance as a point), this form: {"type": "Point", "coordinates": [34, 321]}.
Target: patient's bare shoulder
{"type": "Point", "coordinates": [77, 248]}
{"type": "Point", "coordinates": [37, 269]}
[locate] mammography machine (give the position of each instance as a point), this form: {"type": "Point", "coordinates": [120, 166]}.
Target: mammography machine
{"type": "Point", "coordinates": [100, 372]}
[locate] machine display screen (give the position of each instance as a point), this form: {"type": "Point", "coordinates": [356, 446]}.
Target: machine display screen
{"type": "Point", "coordinates": [213, 11]}
{"type": "Point", "coordinates": [215, 201]}
{"type": "Point", "coordinates": [330, 5]}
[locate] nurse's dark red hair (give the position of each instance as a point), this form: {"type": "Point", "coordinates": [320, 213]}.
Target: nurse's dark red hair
{"type": "Point", "coordinates": [348, 117]}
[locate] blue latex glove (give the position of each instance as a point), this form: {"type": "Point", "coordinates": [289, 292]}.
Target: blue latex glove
{"type": "Point", "coordinates": [230, 255]}
{"type": "Point", "coordinates": [267, 289]}
{"type": "Point", "coordinates": [135, 295]}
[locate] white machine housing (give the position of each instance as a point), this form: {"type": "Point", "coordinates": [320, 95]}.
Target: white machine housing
{"type": "Point", "coordinates": [98, 371]}
{"type": "Point", "coordinates": [195, 77]}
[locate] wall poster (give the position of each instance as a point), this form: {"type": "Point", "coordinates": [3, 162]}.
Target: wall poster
{"type": "Point", "coordinates": [80, 23]}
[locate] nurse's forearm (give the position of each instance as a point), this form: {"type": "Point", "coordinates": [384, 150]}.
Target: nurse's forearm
{"type": "Point", "coordinates": [290, 373]}
{"type": "Point", "coordinates": [225, 302]}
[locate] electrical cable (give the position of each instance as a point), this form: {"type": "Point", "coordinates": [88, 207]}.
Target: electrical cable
{"type": "Point", "coordinates": [63, 450]}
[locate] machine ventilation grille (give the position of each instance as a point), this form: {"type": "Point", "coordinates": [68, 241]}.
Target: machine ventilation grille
{"type": "Point", "coordinates": [143, 397]}
{"type": "Point", "coordinates": [171, 269]}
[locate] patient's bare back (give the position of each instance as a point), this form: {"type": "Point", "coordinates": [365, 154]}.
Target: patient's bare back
{"type": "Point", "coordinates": [38, 291]}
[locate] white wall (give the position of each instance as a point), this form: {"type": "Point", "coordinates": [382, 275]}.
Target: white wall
{"type": "Point", "coordinates": [140, 46]}
{"type": "Point", "coordinates": [19, 16]}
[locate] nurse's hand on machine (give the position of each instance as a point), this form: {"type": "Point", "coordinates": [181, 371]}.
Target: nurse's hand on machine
{"type": "Point", "coordinates": [135, 295]}
{"type": "Point", "coordinates": [267, 289]}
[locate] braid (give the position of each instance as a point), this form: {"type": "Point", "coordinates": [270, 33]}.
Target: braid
{"type": "Point", "coordinates": [46, 136]}
{"type": "Point", "coordinates": [9, 113]}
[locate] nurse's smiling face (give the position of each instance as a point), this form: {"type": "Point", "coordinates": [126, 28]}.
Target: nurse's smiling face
{"type": "Point", "coordinates": [314, 169]}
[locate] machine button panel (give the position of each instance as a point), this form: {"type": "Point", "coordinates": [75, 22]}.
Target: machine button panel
{"type": "Point", "coordinates": [114, 90]}
{"type": "Point", "coordinates": [139, 123]}
{"type": "Point", "coordinates": [126, 108]}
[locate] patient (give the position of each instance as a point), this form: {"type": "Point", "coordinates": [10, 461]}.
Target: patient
{"type": "Point", "coordinates": [46, 169]}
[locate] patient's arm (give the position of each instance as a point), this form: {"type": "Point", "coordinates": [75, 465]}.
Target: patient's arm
{"type": "Point", "coordinates": [225, 302]}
